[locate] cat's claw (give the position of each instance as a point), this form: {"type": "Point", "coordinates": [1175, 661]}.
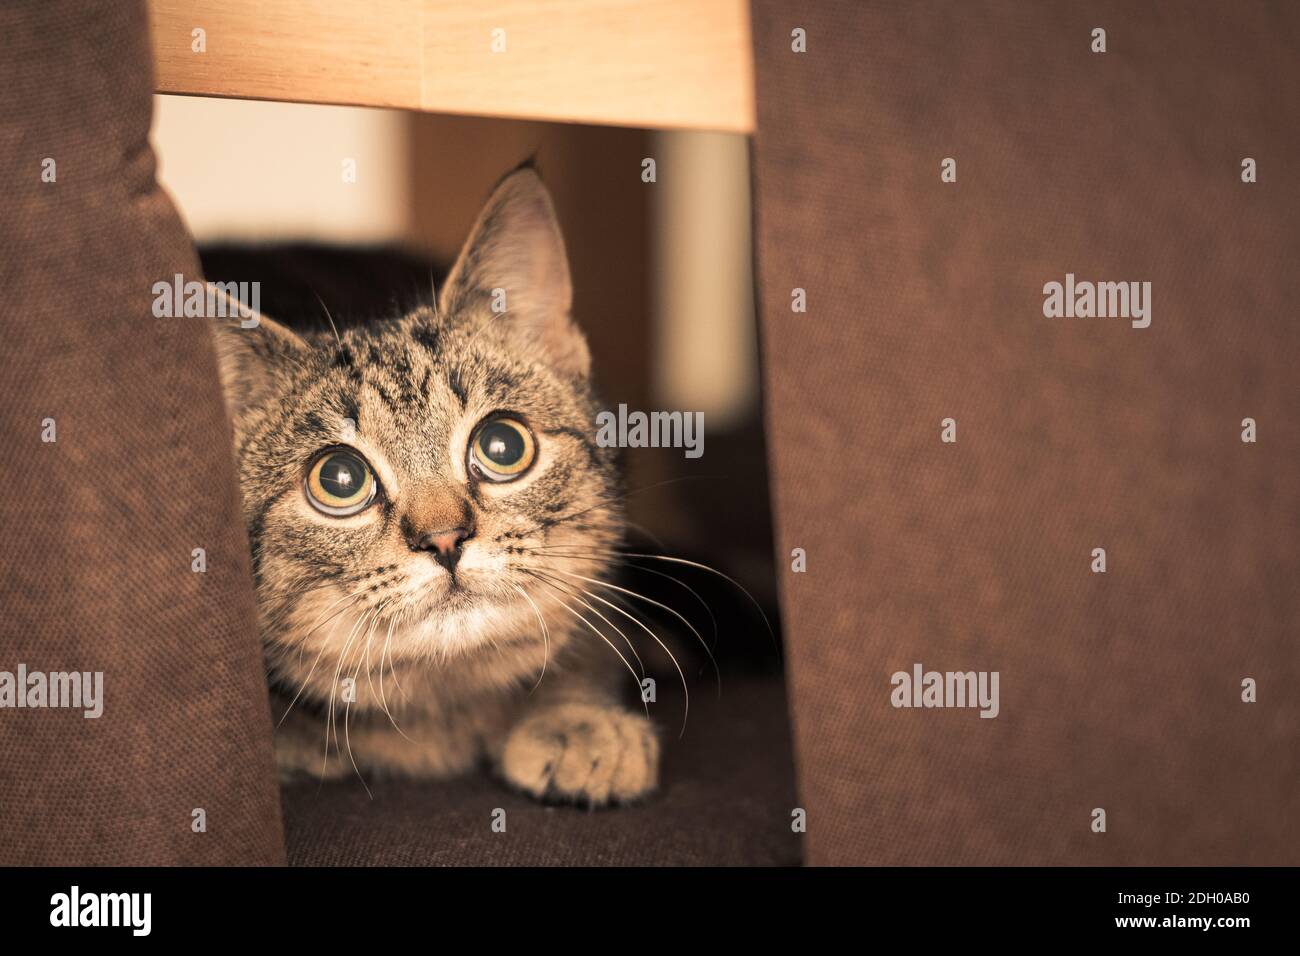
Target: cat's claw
{"type": "Point", "coordinates": [583, 753]}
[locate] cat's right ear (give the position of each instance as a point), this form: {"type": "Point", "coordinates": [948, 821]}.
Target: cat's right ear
{"type": "Point", "coordinates": [251, 351]}
{"type": "Point", "coordinates": [515, 250]}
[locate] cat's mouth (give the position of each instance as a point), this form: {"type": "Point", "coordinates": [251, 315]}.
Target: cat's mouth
{"type": "Point", "coordinates": [451, 589]}
{"type": "Point", "coordinates": [456, 595]}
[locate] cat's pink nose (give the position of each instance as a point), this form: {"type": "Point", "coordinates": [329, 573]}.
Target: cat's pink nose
{"type": "Point", "coordinates": [445, 545]}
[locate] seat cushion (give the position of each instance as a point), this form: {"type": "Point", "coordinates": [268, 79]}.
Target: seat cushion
{"type": "Point", "coordinates": [117, 470]}
{"type": "Point", "coordinates": [726, 799]}
{"type": "Point", "coordinates": [926, 302]}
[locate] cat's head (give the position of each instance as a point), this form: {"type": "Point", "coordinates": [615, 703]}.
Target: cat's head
{"type": "Point", "coordinates": [428, 487]}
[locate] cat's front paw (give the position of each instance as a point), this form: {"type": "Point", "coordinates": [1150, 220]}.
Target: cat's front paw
{"type": "Point", "coordinates": [586, 753]}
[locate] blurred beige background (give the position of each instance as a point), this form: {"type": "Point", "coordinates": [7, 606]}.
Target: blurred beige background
{"type": "Point", "coordinates": [263, 171]}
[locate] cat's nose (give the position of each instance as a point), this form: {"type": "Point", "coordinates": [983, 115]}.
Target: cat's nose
{"type": "Point", "coordinates": [438, 520]}
{"type": "Point", "coordinates": [444, 545]}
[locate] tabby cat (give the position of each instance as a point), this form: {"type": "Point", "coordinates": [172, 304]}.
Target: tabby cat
{"type": "Point", "coordinates": [431, 522]}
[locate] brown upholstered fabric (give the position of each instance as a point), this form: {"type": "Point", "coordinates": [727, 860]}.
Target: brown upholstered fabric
{"type": "Point", "coordinates": [99, 526]}
{"type": "Point", "coordinates": [726, 800]}
{"type": "Point", "coordinates": [1119, 690]}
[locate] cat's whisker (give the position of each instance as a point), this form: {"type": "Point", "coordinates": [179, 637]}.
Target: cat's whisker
{"type": "Point", "coordinates": [551, 553]}
{"type": "Point", "coordinates": [383, 701]}
{"type": "Point", "coordinates": [659, 604]}
{"type": "Point", "coordinates": [607, 500]}
{"type": "Point", "coordinates": [353, 596]}
{"type": "Point", "coordinates": [695, 594]}
{"type": "Point", "coordinates": [726, 577]}
{"type": "Point", "coordinates": [369, 637]}
{"type": "Point", "coordinates": [303, 685]}
{"type": "Point", "coordinates": [388, 638]}
{"type": "Point", "coordinates": [691, 564]}
{"type": "Point", "coordinates": [329, 718]}
{"type": "Point", "coordinates": [334, 328]}
{"type": "Point", "coordinates": [333, 617]}
{"type": "Point", "coordinates": [288, 603]}
{"type": "Point", "coordinates": [363, 656]}
{"type": "Point", "coordinates": [654, 539]}
{"type": "Point", "coordinates": [672, 657]}
{"type": "Point", "coordinates": [595, 631]}
{"type": "Point", "coordinates": [403, 614]}
{"type": "Point", "coordinates": [571, 591]}
{"type": "Point", "coordinates": [546, 636]}
{"type": "Point", "coordinates": [348, 600]}
{"type": "Point", "coordinates": [324, 645]}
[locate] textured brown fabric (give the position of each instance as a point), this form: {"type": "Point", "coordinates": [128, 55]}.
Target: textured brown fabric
{"type": "Point", "coordinates": [726, 798]}
{"type": "Point", "coordinates": [1120, 690]}
{"type": "Point", "coordinates": [99, 526]}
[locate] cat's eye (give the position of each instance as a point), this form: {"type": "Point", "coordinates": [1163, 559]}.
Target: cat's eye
{"type": "Point", "coordinates": [340, 483]}
{"type": "Point", "coordinates": [501, 449]}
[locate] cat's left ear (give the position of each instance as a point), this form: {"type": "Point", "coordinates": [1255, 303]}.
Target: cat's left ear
{"type": "Point", "coordinates": [514, 261]}
{"type": "Point", "coordinates": [253, 354]}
